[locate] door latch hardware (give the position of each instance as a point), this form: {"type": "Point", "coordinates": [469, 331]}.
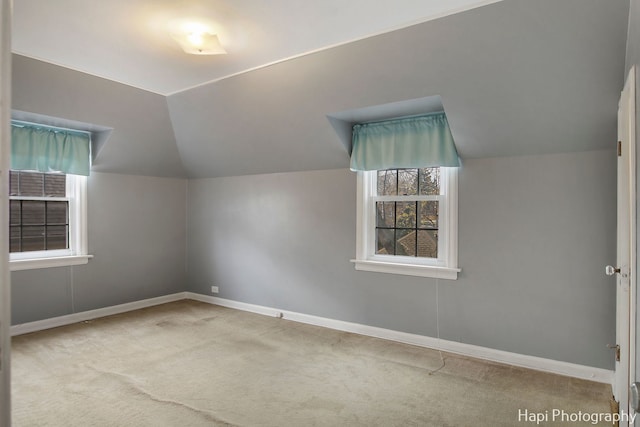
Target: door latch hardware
{"type": "Point", "coordinates": [635, 396]}
{"type": "Point", "coordinates": [610, 270]}
{"type": "Point", "coordinates": [617, 349]}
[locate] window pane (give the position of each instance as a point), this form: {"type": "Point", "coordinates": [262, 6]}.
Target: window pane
{"type": "Point", "coordinates": [387, 182]}
{"type": "Point", "coordinates": [406, 214]}
{"type": "Point", "coordinates": [31, 184]}
{"type": "Point", "coordinates": [57, 237]}
{"type": "Point", "coordinates": [14, 212]}
{"type": "Point", "coordinates": [406, 242]}
{"type": "Point", "coordinates": [429, 181]}
{"type": "Point", "coordinates": [428, 214]}
{"type": "Point", "coordinates": [14, 239]}
{"type": "Point", "coordinates": [384, 241]}
{"type": "Point", "coordinates": [428, 243]}
{"type": "Point", "coordinates": [57, 213]}
{"type": "Point", "coordinates": [408, 182]}
{"type": "Point", "coordinates": [38, 225]}
{"type": "Point", "coordinates": [55, 185]}
{"type": "Point", "coordinates": [14, 183]}
{"type": "Point", "coordinates": [33, 212]}
{"type": "Point", "coordinates": [33, 238]}
{"type": "Point", "coordinates": [385, 214]}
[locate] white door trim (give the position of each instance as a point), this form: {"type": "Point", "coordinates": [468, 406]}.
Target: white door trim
{"type": "Point", "coordinates": [5, 296]}
{"type": "Point", "coordinates": [626, 248]}
{"type": "Point", "coordinates": [633, 230]}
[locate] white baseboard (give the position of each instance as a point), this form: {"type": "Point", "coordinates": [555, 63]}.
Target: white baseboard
{"type": "Point", "coordinates": [69, 319]}
{"type": "Point", "coordinates": [514, 359]}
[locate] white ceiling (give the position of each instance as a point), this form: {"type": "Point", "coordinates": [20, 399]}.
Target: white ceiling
{"type": "Point", "coordinates": [129, 42]}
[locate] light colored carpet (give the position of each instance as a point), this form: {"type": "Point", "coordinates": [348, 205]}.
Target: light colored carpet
{"type": "Point", "coordinates": [193, 364]}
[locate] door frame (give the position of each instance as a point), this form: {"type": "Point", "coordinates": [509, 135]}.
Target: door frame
{"type": "Point", "coordinates": [5, 286]}
{"type": "Point", "coordinates": [626, 283]}
{"type": "Point", "coordinates": [633, 283]}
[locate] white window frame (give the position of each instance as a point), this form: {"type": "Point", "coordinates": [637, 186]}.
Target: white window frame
{"type": "Point", "coordinates": [444, 267]}
{"type": "Point", "coordinates": [77, 254]}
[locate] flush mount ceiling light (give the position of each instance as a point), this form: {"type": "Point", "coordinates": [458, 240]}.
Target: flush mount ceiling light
{"type": "Point", "coordinates": [199, 43]}
{"type": "Point", "coordinates": [197, 39]}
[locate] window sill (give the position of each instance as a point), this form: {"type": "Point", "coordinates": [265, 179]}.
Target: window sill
{"type": "Point", "coordinates": [408, 269]}
{"type": "Point", "coordinates": [35, 263]}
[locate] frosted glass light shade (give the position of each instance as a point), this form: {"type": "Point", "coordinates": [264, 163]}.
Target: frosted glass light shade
{"type": "Point", "coordinates": [199, 43]}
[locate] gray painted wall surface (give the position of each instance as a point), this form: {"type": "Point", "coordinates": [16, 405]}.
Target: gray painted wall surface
{"type": "Point", "coordinates": [136, 233]}
{"type": "Point", "coordinates": [535, 233]}
{"type": "Point", "coordinates": [142, 141]}
{"type": "Point", "coordinates": [633, 35]}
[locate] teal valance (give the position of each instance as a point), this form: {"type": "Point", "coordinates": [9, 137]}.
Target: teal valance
{"type": "Point", "coordinates": [49, 149]}
{"type": "Point", "coordinates": [412, 142]}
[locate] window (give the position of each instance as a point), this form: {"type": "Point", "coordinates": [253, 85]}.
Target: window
{"type": "Point", "coordinates": [407, 196]}
{"type": "Point", "coordinates": [47, 225]}
{"type": "Point", "coordinates": [407, 222]}
{"type": "Point", "coordinates": [47, 196]}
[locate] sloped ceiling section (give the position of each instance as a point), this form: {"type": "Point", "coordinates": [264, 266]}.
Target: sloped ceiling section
{"type": "Point", "coordinates": [99, 134]}
{"type": "Point", "coordinates": [142, 141]}
{"type": "Point", "coordinates": [516, 77]}
{"type": "Point", "coordinates": [343, 121]}
{"type": "Point", "coordinates": [129, 41]}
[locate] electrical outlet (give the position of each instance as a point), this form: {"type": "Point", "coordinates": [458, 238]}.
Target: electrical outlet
{"type": "Point", "coordinates": [214, 289]}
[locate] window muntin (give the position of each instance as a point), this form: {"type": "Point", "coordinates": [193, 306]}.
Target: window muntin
{"type": "Point", "coordinates": [39, 212]}
{"type": "Point", "coordinates": [407, 214]}
{"type": "Point", "coordinates": [407, 222]}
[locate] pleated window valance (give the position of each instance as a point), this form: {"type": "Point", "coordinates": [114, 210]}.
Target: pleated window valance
{"type": "Point", "coordinates": [413, 142]}
{"type": "Point", "coordinates": [50, 149]}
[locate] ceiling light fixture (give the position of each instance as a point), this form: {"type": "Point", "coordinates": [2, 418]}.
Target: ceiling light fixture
{"type": "Point", "coordinates": [199, 42]}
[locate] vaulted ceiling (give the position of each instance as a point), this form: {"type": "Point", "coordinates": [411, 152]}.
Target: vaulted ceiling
{"type": "Point", "coordinates": [130, 42]}
{"type": "Point", "coordinates": [515, 77]}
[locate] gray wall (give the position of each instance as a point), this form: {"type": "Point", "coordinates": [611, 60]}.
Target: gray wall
{"type": "Point", "coordinates": [136, 231]}
{"type": "Point", "coordinates": [633, 35]}
{"type": "Point", "coordinates": [535, 233]}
